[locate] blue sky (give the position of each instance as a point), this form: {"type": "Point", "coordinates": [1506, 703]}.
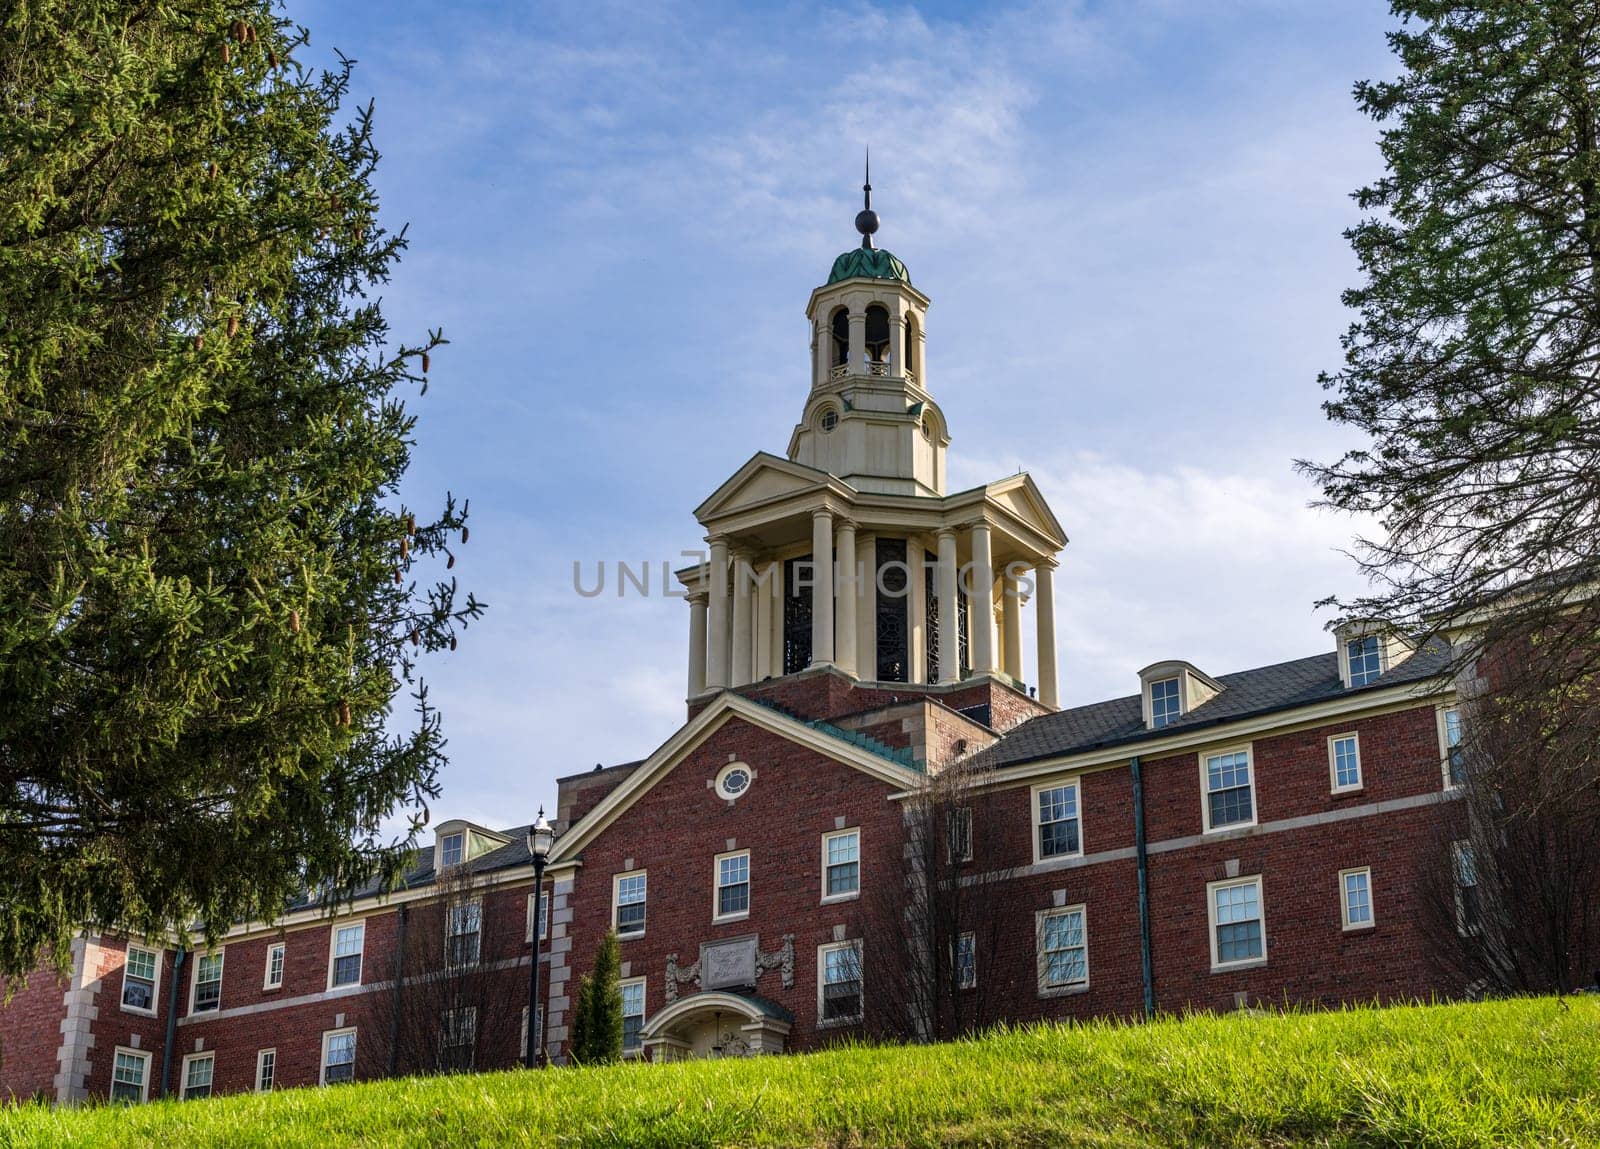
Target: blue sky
{"type": "Point", "coordinates": [1127, 215]}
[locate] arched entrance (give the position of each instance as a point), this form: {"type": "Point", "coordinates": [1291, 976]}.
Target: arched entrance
{"type": "Point", "coordinates": [716, 1023]}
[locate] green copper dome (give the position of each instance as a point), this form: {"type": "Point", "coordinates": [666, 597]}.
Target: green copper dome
{"type": "Point", "coordinates": [869, 262]}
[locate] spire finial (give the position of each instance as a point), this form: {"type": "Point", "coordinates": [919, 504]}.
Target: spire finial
{"type": "Point", "coordinates": [867, 219]}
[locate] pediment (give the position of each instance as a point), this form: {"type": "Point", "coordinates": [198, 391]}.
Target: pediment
{"type": "Point", "coordinates": [1020, 496]}
{"type": "Point", "coordinates": [764, 479]}
{"type": "Point", "coordinates": [726, 707]}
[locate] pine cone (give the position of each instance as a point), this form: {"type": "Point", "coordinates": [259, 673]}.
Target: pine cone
{"type": "Point", "coordinates": [424, 362]}
{"type": "Point", "coordinates": [452, 642]}
{"type": "Point", "coordinates": [227, 54]}
{"type": "Point", "coordinates": [464, 533]}
{"type": "Point", "coordinates": [294, 622]}
{"type": "Point", "coordinates": [199, 341]}
{"type": "Point", "coordinates": [233, 326]}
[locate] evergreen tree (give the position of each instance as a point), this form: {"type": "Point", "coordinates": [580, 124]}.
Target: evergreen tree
{"type": "Point", "coordinates": [209, 598]}
{"type": "Point", "coordinates": [1471, 371]}
{"type": "Point", "coordinates": [597, 1029]}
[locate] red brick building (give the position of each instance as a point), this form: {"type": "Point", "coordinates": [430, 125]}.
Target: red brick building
{"type": "Point", "coordinates": [1204, 842]}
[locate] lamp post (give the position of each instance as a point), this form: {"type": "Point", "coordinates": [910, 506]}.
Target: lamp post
{"type": "Point", "coordinates": [540, 838]}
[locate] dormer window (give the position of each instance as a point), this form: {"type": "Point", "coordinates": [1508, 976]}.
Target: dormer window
{"type": "Point", "coordinates": [1366, 659]}
{"type": "Point", "coordinates": [452, 848]}
{"type": "Point", "coordinates": [1368, 649]}
{"type": "Point", "coordinates": [1169, 690]}
{"type": "Point", "coordinates": [1165, 706]}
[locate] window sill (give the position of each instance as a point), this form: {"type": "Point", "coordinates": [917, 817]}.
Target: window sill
{"type": "Point", "coordinates": [1063, 990]}
{"type": "Point", "coordinates": [136, 1010]}
{"type": "Point", "coordinates": [630, 937]}
{"type": "Point", "coordinates": [1349, 791]}
{"type": "Point", "coordinates": [1231, 828]}
{"type": "Point", "coordinates": [1058, 860]}
{"type": "Point", "coordinates": [1233, 966]}
{"type": "Point", "coordinates": [723, 919]}
{"type": "Point", "coordinates": [838, 1022]}
{"type": "Point", "coordinates": [1361, 928]}
{"type": "Point", "coordinates": [831, 899]}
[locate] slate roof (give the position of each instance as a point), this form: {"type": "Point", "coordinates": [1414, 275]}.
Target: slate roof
{"type": "Point", "coordinates": [1245, 694]}
{"type": "Point", "coordinates": [421, 872]}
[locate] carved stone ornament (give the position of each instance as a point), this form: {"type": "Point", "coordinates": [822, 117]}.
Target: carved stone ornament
{"type": "Point", "coordinates": [732, 963]}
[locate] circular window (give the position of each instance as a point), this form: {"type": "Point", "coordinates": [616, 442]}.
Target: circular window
{"type": "Point", "coordinates": [830, 420]}
{"type": "Point", "coordinates": [733, 780]}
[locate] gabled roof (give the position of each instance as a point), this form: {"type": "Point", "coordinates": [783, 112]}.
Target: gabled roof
{"type": "Point", "coordinates": [764, 478]}
{"type": "Point", "coordinates": [1245, 694]}
{"type": "Point", "coordinates": [861, 753]}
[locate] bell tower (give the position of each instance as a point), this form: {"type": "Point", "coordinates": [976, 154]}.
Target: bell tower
{"type": "Point", "coordinates": [849, 557]}
{"type": "Point", "coordinates": [869, 418]}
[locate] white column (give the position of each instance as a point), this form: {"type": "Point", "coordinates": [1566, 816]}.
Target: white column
{"type": "Point", "coordinates": [983, 660]}
{"type": "Point", "coordinates": [821, 352]}
{"type": "Point", "coordinates": [916, 613]}
{"type": "Point", "coordinates": [1011, 628]}
{"type": "Point", "coordinates": [718, 630]}
{"type": "Point", "coordinates": [743, 611]}
{"type": "Point", "coordinates": [949, 613]}
{"type": "Point", "coordinates": [850, 580]}
{"type": "Point", "coordinates": [897, 344]}
{"type": "Point", "coordinates": [822, 580]}
{"type": "Point", "coordinates": [867, 609]}
{"type": "Point", "coordinates": [697, 642]}
{"type": "Point", "coordinates": [1044, 606]}
{"type": "Point", "coordinates": [763, 624]}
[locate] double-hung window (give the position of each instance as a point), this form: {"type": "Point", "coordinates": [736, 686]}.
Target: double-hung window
{"type": "Point", "coordinates": [458, 1039]}
{"type": "Point", "coordinates": [348, 944]}
{"type": "Point", "coordinates": [1056, 811]}
{"type": "Point", "coordinates": [1454, 757]}
{"type": "Point", "coordinates": [958, 834]}
{"type": "Point", "coordinates": [1165, 704]}
{"type": "Point", "coordinates": [275, 956]}
{"type": "Point", "coordinates": [197, 1071]}
{"type": "Point", "coordinates": [1230, 789]}
{"type": "Point", "coordinates": [130, 1076]}
{"type": "Point", "coordinates": [1366, 660]}
{"type": "Point", "coordinates": [1344, 762]}
{"type": "Point", "coordinates": [1063, 950]}
{"type": "Point", "coordinates": [543, 913]}
{"type": "Point", "coordinates": [1469, 906]}
{"type": "Point", "coordinates": [139, 977]}
{"type": "Point", "coordinates": [628, 894]}
{"type": "Point", "coordinates": [1355, 898]}
{"type": "Point", "coordinates": [841, 865]}
{"type": "Point", "coordinates": [1238, 925]}
{"type": "Point", "coordinates": [266, 1070]}
{"type": "Point", "coordinates": [207, 983]}
{"type": "Point", "coordinates": [338, 1056]}
{"type": "Point", "coordinates": [839, 983]}
{"type": "Point", "coordinates": [733, 886]}
{"type": "Point", "coordinates": [452, 849]}
{"type": "Point", "coordinates": [632, 992]}
{"type": "Point", "coordinates": [463, 933]}
{"type": "Point", "coordinates": [966, 961]}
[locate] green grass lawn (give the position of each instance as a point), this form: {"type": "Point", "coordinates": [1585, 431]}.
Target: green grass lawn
{"type": "Point", "coordinates": [1508, 1073]}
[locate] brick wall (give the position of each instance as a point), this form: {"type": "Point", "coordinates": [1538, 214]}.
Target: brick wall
{"type": "Point", "coordinates": [30, 1035]}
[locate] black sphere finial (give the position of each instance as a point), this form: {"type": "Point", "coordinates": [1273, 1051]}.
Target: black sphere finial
{"type": "Point", "coordinates": [866, 218]}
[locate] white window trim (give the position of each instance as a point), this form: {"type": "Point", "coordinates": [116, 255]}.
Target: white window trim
{"type": "Point", "coordinates": [1333, 766]}
{"type": "Point", "coordinates": [616, 904]}
{"type": "Point", "coordinates": [1211, 920]}
{"type": "Point", "coordinates": [644, 1015]}
{"type": "Point", "coordinates": [1070, 988]}
{"type": "Point", "coordinates": [1456, 849]}
{"type": "Point", "coordinates": [183, 1073]}
{"type": "Point", "coordinates": [546, 915]}
{"type": "Point", "coordinates": [861, 976]}
{"type": "Point", "coordinates": [283, 968]}
{"type": "Point", "coordinates": [1150, 701]}
{"type": "Point", "coordinates": [1344, 902]}
{"type": "Point", "coordinates": [450, 934]}
{"type": "Point", "coordinates": [1345, 670]}
{"type": "Point", "coordinates": [470, 1012]}
{"type": "Point", "coordinates": [722, 776]}
{"type": "Point", "coordinates": [1076, 782]}
{"type": "Point", "coordinates": [333, 942]}
{"type": "Point", "coordinates": [327, 1036]}
{"type": "Point", "coordinates": [144, 1078]}
{"type": "Point", "coordinates": [1248, 750]}
{"type": "Point", "coordinates": [261, 1057]}
{"type": "Point", "coordinates": [852, 895]}
{"type": "Point", "coordinates": [522, 1040]}
{"type": "Point", "coordinates": [155, 987]}
{"type": "Point", "coordinates": [1444, 743]}
{"type": "Point", "coordinates": [716, 886]}
{"type": "Point", "coordinates": [194, 976]}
